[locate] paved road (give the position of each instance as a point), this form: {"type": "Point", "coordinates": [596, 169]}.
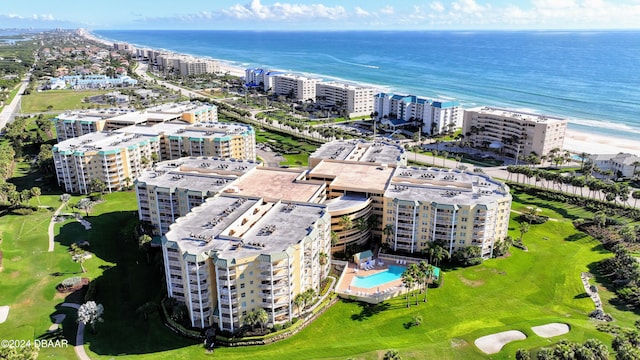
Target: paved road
{"type": "Point", "coordinates": [79, 348]}
{"type": "Point", "coordinates": [8, 112]}
{"type": "Point", "coordinates": [269, 158]}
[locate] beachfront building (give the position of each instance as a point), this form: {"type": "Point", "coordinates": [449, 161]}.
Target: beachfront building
{"type": "Point", "coordinates": [92, 81]}
{"type": "Point", "coordinates": [622, 165]}
{"type": "Point", "coordinates": [298, 88]}
{"type": "Point", "coordinates": [513, 133]}
{"type": "Point", "coordinates": [261, 78]}
{"type": "Point", "coordinates": [73, 124]}
{"type": "Point", "coordinates": [453, 208]}
{"type": "Point", "coordinates": [435, 116]}
{"type": "Point", "coordinates": [359, 151]}
{"type": "Point", "coordinates": [130, 149]}
{"type": "Point", "coordinates": [352, 100]}
{"type": "Point", "coordinates": [235, 254]}
{"type": "Point", "coordinates": [184, 64]}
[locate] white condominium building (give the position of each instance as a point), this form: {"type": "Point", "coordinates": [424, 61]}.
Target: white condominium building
{"type": "Point", "coordinates": [514, 133]}
{"type": "Point", "coordinates": [174, 187]}
{"type": "Point", "coordinates": [235, 254]}
{"type": "Point", "coordinates": [453, 208]}
{"type": "Point", "coordinates": [298, 88]}
{"type": "Point", "coordinates": [354, 100]}
{"type": "Point", "coordinates": [78, 160]}
{"type": "Point", "coordinates": [436, 116]}
{"type": "Point", "coordinates": [73, 124]}
{"type": "Point", "coordinates": [262, 78]}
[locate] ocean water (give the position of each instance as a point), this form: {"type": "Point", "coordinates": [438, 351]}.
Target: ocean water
{"type": "Point", "coordinates": [592, 77]}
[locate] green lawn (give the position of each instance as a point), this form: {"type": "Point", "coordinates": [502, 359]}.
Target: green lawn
{"type": "Point", "coordinates": [280, 142]}
{"type": "Point", "coordinates": [517, 292]}
{"type": "Point", "coordinates": [59, 100]}
{"type": "Point", "coordinates": [525, 289]}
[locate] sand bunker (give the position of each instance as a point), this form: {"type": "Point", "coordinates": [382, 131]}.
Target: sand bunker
{"type": "Point", "coordinates": [493, 343]}
{"type": "Point", "coordinates": [551, 330]}
{"type": "Point", "coordinates": [4, 313]}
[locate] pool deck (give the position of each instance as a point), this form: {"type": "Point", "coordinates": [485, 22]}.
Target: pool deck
{"type": "Point", "coordinates": [374, 295]}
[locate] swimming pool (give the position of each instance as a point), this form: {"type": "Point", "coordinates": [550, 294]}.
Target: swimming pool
{"type": "Point", "coordinates": [383, 277]}
{"type": "Point", "coordinates": [392, 273]}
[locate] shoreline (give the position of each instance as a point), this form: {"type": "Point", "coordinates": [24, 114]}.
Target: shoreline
{"type": "Point", "coordinates": [576, 141]}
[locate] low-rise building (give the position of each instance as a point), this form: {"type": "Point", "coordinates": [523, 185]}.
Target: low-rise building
{"type": "Point", "coordinates": [513, 133]}
{"type": "Point", "coordinates": [622, 165]}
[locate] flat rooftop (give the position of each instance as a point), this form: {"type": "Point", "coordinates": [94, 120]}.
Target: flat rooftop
{"type": "Point", "coordinates": [210, 130]}
{"type": "Point", "coordinates": [102, 141]}
{"type": "Point", "coordinates": [538, 118]}
{"type": "Point", "coordinates": [444, 186]}
{"type": "Point", "coordinates": [360, 150]}
{"type": "Point", "coordinates": [198, 230]}
{"type": "Point", "coordinates": [207, 226]}
{"type": "Point", "coordinates": [203, 174]}
{"type": "Point", "coordinates": [354, 175]}
{"type": "Point", "coordinates": [84, 115]}
{"type": "Point", "coordinates": [345, 202]}
{"type": "Point", "coordinates": [143, 116]}
{"type": "Point", "coordinates": [279, 183]}
{"type": "Point", "coordinates": [179, 108]}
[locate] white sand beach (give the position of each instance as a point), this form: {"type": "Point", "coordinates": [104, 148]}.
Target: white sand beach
{"type": "Point", "coordinates": [579, 142]}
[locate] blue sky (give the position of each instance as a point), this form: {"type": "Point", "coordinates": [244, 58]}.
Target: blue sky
{"type": "Point", "coordinates": [323, 14]}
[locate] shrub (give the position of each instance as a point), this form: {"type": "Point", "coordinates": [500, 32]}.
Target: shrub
{"type": "Point", "coordinates": [22, 211]}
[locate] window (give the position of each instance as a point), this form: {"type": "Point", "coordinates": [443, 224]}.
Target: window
{"type": "Point", "coordinates": [242, 286]}
{"type": "Point", "coordinates": [243, 295]}
{"type": "Point", "coordinates": [244, 304]}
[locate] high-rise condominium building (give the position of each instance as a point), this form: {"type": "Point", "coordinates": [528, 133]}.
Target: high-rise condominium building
{"type": "Point", "coordinates": [354, 100]}
{"type": "Point", "coordinates": [298, 88]}
{"type": "Point", "coordinates": [117, 157]}
{"type": "Point", "coordinates": [513, 133]}
{"type": "Point", "coordinates": [435, 116]}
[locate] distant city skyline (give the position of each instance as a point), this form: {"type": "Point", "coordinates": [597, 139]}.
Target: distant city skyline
{"type": "Point", "coordinates": [326, 15]}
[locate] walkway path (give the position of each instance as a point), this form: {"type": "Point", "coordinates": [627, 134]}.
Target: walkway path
{"type": "Point", "coordinates": [81, 353]}
{"type": "Point", "coordinates": [51, 226]}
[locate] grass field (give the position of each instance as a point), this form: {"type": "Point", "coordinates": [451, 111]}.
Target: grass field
{"type": "Point", "coordinates": [522, 290]}
{"type": "Point", "coordinates": [281, 140]}
{"type": "Point", "coordinates": [59, 100]}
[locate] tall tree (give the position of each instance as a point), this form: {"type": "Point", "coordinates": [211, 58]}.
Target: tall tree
{"type": "Point", "coordinates": [36, 192]}
{"type": "Point", "coordinates": [90, 313]}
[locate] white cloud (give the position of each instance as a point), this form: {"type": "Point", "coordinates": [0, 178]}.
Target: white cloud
{"type": "Point", "coordinates": [436, 6]}
{"type": "Point", "coordinates": [468, 7]}
{"type": "Point", "coordinates": [283, 11]}
{"type": "Point", "coordinates": [388, 10]}
{"type": "Point", "coordinates": [361, 12]}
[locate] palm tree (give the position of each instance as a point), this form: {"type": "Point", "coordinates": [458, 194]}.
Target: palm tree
{"type": "Point", "coordinates": [143, 244]}
{"type": "Point", "coordinates": [322, 258]}
{"type": "Point", "coordinates": [417, 275]}
{"type": "Point", "coordinates": [635, 195]}
{"type": "Point", "coordinates": [298, 301]}
{"type": "Point", "coordinates": [36, 192]}
{"type": "Point", "coordinates": [334, 238]}
{"type": "Point", "coordinates": [407, 281]}
{"type": "Point", "coordinates": [345, 222]}
{"type": "Point", "coordinates": [427, 271]}
{"type": "Point", "coordinates": [258, 316]}
{"type": "Point", "coordinates": [388, 231]}
{"type": "Point", "coordinates": [524, 228]}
